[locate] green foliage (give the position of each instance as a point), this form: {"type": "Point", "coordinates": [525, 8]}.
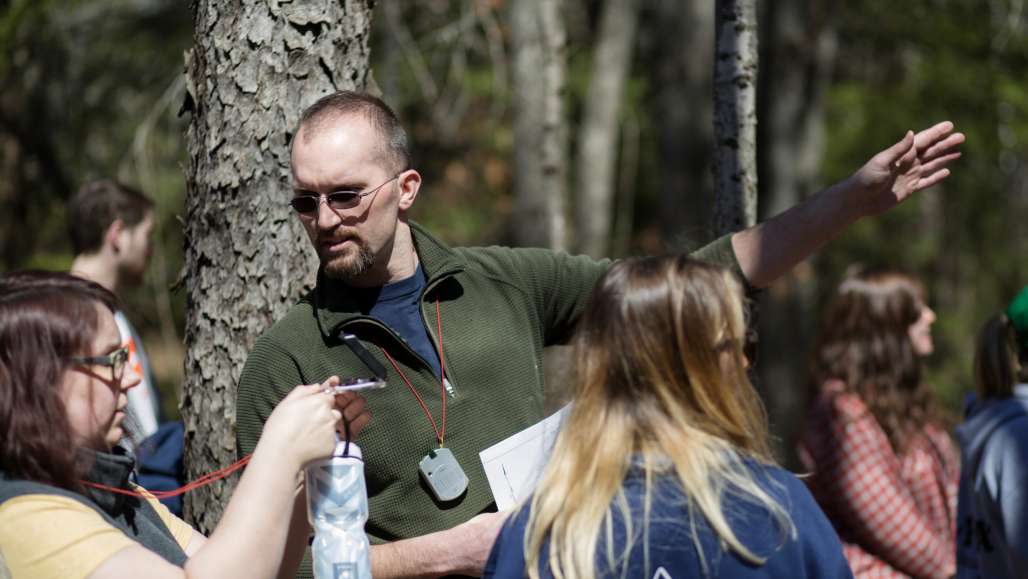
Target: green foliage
{"type": "Point", "coordinates": [909, 68]}
{"type": "Point", "coordinates": [89, 93]}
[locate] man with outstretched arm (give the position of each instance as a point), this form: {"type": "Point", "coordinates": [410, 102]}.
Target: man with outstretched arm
{"type": "Point", "coordinates": [458, 332]}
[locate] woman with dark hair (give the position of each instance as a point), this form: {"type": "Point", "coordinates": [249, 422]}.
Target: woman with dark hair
{"type": "Point", "coordinates": [662, 467]}
{"type": "Point", "coordinates": [882, 466]}
{"type": "Point", "coordinates": [992, 522]}
{"type": "Point", "coordinates": [67, 506]}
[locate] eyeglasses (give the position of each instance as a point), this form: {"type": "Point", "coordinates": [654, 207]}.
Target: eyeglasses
{"type": "Point", "coordinates": [749, 343]}
{"type": "Point", "coordinates": [116, 361]}
{"type": "Point", "coordinates": [337, 200]}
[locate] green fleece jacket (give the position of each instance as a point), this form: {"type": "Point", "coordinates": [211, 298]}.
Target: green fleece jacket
{"type": "Point", "coordinates": [498, 307]}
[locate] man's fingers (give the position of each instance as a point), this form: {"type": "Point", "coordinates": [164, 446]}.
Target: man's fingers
{"type": "Point", "coordinates": [355, 425]}
{"type": "Point", "coordinates": [935, 164]}
{"type": "Point", "coordinates": [932, 134]}
{"type": "Point", "coordinates": [893, 154]}
{"type": "Point", "coordinates": [932, 179]}
{"type": "Point", "coordinates": [354, 408]}
{"type": "Point", "coordinates": [944, 146]}
{"type": "Point", "coordinates": [906, 161]}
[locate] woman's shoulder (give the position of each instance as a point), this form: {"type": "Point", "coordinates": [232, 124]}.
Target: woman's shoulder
{"type": "Point", "coordinates": [74, 537]}
{"type": "Point", "coordinates": [785, 487]}
{"type": "Point", "coordinates": [835, 400]}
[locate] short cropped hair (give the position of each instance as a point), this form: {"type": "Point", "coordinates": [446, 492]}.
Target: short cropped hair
{"type": "Point", "coordinates": [347, 102]}
{"type": "Point", "coordinates": [97, 205]}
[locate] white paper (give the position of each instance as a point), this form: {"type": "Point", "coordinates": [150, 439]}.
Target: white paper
{"type": "Point", "coordinates": [513, 465]}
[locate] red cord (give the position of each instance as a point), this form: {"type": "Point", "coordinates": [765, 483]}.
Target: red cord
{"type": "Point", "coordinates": [200, 482]}
{"type": "Point", "coordinates": [221, 473]}
{"type": "Point", "coordinates": [440, 433]}
{"type": "Point", "coordinates": [442, 365]}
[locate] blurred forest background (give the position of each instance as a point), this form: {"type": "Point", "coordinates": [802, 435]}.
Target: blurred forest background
{"type": "Point", "coordinates": [94, 88]}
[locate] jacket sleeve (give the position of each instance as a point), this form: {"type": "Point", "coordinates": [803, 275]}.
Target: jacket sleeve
{"type": "Point", "coordinates": [559, 284]}
{"type": "Point", "coordinates": [720, 252]}
{"type": "Point", "coordinates": [864, 477]}
{"type": "Point", "coordinates": [1011, 445]}
{"type": "Point", "coordinates": [268, 375]}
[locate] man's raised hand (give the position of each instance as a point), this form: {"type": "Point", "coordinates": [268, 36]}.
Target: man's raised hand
{"type": "Point", "coordinates": [916, 162]}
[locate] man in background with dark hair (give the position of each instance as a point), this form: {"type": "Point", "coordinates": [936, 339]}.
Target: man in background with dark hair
{"type": "Point", "coordinates": [110, 226]}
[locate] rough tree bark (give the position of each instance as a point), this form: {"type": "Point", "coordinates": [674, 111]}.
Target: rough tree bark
{"type": "Point", "coordinates": [735, 116]}
{"type": "Point", "coordinates": [799, 45]}
{"type": "Point", "coordinates": [596, 162]}
{"type": "Point", "coordinates": [540, 129]}
{"type": "Point", "coordinates": [254, 67]}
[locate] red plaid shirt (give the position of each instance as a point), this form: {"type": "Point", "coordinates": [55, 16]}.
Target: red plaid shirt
{"type": "Point", "coordinates": [896, 515]}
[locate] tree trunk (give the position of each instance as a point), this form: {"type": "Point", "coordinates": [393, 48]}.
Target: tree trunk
{"type": "Point", "coordinates": [799, 45]}
{"type": "Point", "coordinates": [540, 130]}
{"type": "Point", "coordinates": [598, 136]}
{"type": "Point", "coordinates": [683, 117]}
{"type": "Point", "coordinates": [254, 67]}
{"type": "Point", "coordinates": [735, 116]}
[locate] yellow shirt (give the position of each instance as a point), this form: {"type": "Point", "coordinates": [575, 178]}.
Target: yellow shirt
{"type": "Point", "coordinates": [44, 536]}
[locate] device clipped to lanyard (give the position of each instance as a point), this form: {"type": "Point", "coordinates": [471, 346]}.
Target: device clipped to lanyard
{"type": "Point", "coordinates": [443, 474]}
{"type": "Point", "coordinates": [439, 469]}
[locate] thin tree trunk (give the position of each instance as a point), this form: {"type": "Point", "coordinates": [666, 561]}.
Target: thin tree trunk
{"type": "Point", "coordinates": [595, 172]}
{"type": "Point", "coordinates": [253, 69]}
{"type": "Point", "coordinates": [624, 213]}
{"type": "Point", "coordinates": [540, 130]}
{"type": "Point", "coordinates": [799, 46]}
{"type": "Point", "coordinates": [683, 117]}
{"type": "Point", "coordinates": [735, 116]}
{"type": "Point", "coordinates": [800, 49]}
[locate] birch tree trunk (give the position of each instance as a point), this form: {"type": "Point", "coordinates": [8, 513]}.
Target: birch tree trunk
{"type": "Point", "coordinates": [254, 67]}
{"type": "Point", "coordinates": [595, 172]}
{"type": "Point", "coordinates": [799, 45]}
{"type": "Point", "coordinates": [540, 129]}
{"type": "Point", "coordinates": [735, 116]}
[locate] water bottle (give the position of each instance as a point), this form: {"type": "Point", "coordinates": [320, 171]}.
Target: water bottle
{"type": "Point", "coordinates": [337, 507]}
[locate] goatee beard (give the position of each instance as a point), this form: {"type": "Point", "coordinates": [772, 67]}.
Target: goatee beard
{"type": "Point", "coordinates": [345, 269]}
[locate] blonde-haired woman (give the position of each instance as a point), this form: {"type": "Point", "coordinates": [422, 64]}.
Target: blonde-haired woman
{"type": "Point", "coordinates": [662, 468]}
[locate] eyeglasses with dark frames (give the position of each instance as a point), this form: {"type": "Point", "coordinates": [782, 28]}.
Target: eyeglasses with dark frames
{"type": "Point", "coordinates": [116, 361]}
{"type": "Point", "coordinates": [307, 204]}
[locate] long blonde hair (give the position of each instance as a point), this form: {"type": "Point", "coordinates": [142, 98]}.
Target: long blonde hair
{"type": "Point", "coordinates": [659, 379]}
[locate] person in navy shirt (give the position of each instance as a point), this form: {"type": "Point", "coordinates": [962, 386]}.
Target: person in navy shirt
{"type": "Point", "coordinates": [662, 469]}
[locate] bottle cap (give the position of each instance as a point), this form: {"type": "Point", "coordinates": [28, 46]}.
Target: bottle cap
{"type": "Point", "coordinates": [354, 450]}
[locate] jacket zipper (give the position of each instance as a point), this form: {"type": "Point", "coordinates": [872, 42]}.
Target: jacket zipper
{"type": "Point", "coordinates": [448, 385]}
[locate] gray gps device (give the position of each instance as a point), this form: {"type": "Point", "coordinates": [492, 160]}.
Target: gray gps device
{"type": "Point", "coordinates": [443, 474]}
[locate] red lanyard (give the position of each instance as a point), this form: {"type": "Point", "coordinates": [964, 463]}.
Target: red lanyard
{"type": "Point", "coordinates": [440, 432]}
{"type": "Point", "coordinates": [224, 472]}
{"type": "Point", "coordinates": [202, 481]}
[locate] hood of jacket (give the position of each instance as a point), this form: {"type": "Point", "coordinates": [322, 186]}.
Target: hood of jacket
{"type": "Point", "coordinates": [982, 418]}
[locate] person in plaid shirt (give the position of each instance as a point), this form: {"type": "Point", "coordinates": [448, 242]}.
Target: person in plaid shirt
{"type": "Point", "coordinates": [882, 466]}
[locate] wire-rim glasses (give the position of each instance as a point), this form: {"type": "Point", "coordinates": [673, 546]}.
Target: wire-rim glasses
{"type": "Point", "coordinates": [308, 204]}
